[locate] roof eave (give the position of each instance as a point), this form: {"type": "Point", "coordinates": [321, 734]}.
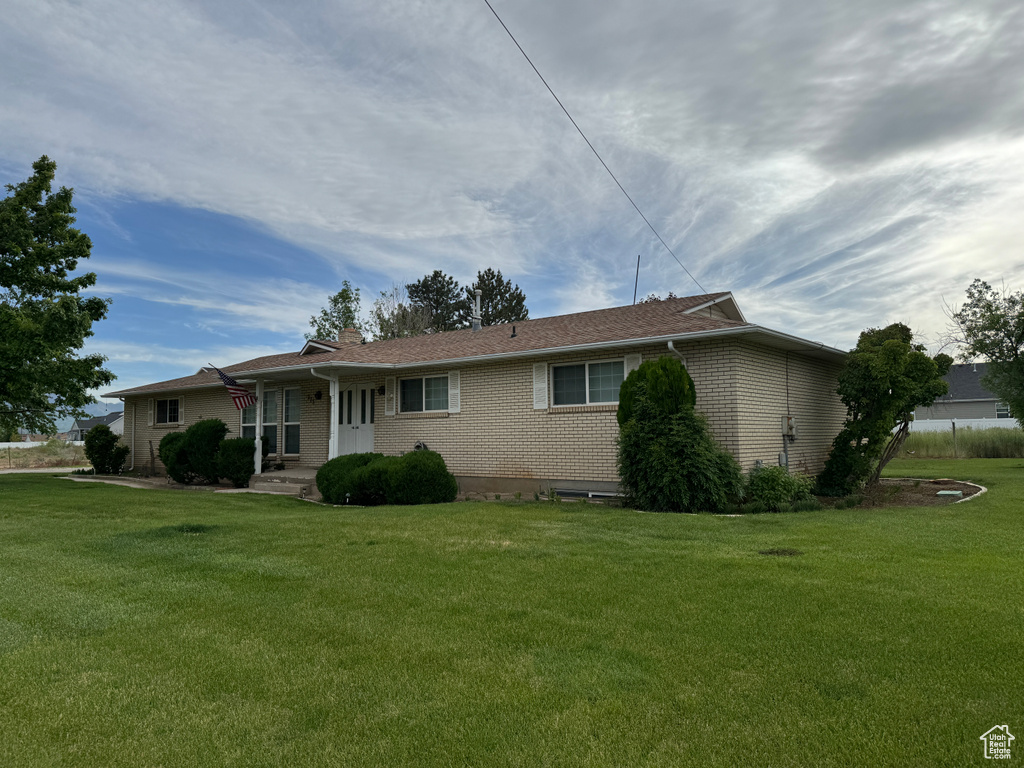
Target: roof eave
{"type": "Point", "coordinates": [781, 340]}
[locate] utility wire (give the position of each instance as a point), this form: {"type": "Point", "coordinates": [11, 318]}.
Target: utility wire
{"type": "Point", "coordinates": [592, 149]}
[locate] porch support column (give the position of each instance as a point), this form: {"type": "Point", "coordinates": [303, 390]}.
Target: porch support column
{"type": "Point", "coordinates": [332, 446]}
{"type": "Point", "coordinates": [258, 457]}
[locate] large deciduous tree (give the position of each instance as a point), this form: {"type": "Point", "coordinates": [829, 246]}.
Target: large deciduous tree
{"type": "Point", "coordinates": [884, 379]}
{"type": "Point", "coordinates": [500, 301]}
{"type": "Point", "coordinates": [440, 295]}
{"type": "Point", "coordinates": [44, 319]}
{"type": "Point", "coordinates": [394, 316]}
{"type": "Point", "coordinates": [991, 325]}
{"type": "Point", "coordinates": [341, 312]}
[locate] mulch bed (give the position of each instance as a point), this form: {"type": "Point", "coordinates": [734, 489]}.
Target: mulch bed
{"type": "Point", "coordinates": [908, 492]}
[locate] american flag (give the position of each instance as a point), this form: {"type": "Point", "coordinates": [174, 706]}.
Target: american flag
{"type": "Point", "coordinates": [241, 396]}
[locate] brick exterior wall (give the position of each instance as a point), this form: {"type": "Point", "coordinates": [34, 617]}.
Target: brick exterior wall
{"type": "Point", "coordinates": [498, 435]}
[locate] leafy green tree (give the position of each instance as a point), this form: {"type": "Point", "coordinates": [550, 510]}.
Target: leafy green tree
{"type": "Point", "coordinates": [884, 379]}
{"type": "Point", "coordinates": [394, 316]}
{"type": "Point", "coordinates": [991, 325]}
{"type": "Point", "coordinates": [342, 312]}
{"type": "Point", "coordinates": [500, 301]}
{"type": "Point", "coordinates": [9, 435]}
{"type": "Point", "coordinates": [440, 295]}
{"type": "Point", "coordinates": [44, 320]}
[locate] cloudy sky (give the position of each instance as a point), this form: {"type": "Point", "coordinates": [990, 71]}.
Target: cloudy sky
{"type": "Point", "coordinates": [835, 165]}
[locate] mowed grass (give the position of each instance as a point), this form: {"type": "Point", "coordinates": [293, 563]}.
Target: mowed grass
{"type": "Point", "coordinates": [186, 628]}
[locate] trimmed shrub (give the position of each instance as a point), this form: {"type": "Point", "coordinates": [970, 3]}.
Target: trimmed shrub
{"type": "Point", "coordinates": [673, 464]}
{"type": "Point", "coordinates": [775, 488]}
{"type": "Point", "coordinates": [664, 382]}
{"type": "Point", "coordinates": [175, 460]}
{"type": "Point", "coordinates": [236, 460]}
{"type": "Point", "coordinates": [201, 445]}
{"type": "Point", "coordinates": [371, 483]}
{"type": "Point", "coordinates": [421, 477]}
{"type": "Point", "coordinates": [333, 479]}
{"type": "Point", "coordinates": [104, 451]}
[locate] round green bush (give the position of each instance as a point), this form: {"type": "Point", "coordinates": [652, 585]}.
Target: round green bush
{"type": "Point", "coordinates": [422, 477]}
{"type": "Point", "coordinates": [673, 464]}
{"type": "Point", "coordinates": [333, 479]}
{"type": "Point", "coordinates": [175, 460]}
{"type": "Point", "coordinates": [201, 445]}
{"type": "Point", "coordinates": [371, 483]}
{"type": "Point", "coordinates": [236, 460]}
{"type": "Point", "coordinates": [104, 451]}
{"type": "Point", "coordinates": [665, 383]}
{"type": "Point", "coordinates": [775, 488]}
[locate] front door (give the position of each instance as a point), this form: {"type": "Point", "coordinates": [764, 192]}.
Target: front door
{"type": "Point", "coordinates": [356, 413]}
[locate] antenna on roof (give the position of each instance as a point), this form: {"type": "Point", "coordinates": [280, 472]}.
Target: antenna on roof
{"type": "Point", "coordinates": [637, 281]}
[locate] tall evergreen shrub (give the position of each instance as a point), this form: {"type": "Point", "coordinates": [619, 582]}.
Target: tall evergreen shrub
{"type": "Point", "coordinates": [175, 459]}
{"type": "Point", "coordinates": [202, 445]}
{"type": "Point", "coordinates": [664, 381]}
{"type": "Point", "coordinates": [104, 450]}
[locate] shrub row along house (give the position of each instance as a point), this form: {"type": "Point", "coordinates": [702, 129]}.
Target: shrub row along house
{"type": "Point", "coordinates": [516, 407]}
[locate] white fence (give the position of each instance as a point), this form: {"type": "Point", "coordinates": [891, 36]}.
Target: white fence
{"type": "Point", "coordinates": [35, 445]}
{"type": "Point", "coordinates": [946, 425]}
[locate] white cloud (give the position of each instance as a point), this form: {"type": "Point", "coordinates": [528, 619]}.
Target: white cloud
{"type": "Point", "coordinates": [835, 165]}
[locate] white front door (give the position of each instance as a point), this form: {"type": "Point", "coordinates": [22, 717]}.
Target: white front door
{"type": "Point", "coordinates": [356, 413]}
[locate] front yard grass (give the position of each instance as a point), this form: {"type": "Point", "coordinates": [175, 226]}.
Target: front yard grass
{"type": "Point", "coordinates": [144, 627]}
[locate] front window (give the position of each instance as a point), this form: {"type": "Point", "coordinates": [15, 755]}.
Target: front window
{"type": "Point", "coordinates": [292, 403]}
{"type": "Point", "coordinates": [270, 419]}
{"type": "Point", "coordinates": [587, 383]}
{"type": "Point", "coordinates": [426, 394]}
{"type": "Point", "coordinates": [167, 411]}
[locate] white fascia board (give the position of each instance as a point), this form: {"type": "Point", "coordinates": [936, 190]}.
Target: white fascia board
{"type": "Point", "coordinates": [318, 345]}
{"type": "Point", "coordinates": [720, 300]}
{"type": "Point", "coordinates": [187, 388]}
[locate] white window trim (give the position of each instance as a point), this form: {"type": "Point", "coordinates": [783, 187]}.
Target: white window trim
{"type": "Point", "coordinates": [587, 363]}
{"type": "Point", "coordinates": [277, 411]}
{"type": "Point", "coordinates": [156, 411]}
{"type": "Point", "coordinates": [1002, 411]}
{"type": "Point", "coordinates": [283, 437]}
{"type": "Point", "coordinates": [423, 390]}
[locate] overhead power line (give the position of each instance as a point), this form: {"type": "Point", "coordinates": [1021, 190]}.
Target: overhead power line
{"type": "Point", "coordinates": [592, 148]}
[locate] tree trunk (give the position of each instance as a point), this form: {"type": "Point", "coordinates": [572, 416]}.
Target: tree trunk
{"type": "Point", "coordinates": [891, 449]}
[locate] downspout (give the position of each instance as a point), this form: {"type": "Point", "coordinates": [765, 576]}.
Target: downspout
{"type": "Point", "coordinates": [132, 467]}
{"type": "Point", "coordinates": [676, 352]}
{"type": "Point", "coordinates": [332, 440]}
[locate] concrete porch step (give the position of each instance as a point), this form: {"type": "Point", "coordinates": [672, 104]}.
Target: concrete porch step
{"type": "Point", "coordinates": [283, 486]}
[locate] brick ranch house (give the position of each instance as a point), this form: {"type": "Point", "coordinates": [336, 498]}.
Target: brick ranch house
{"type": "Point", "coordinates": [515, 407]}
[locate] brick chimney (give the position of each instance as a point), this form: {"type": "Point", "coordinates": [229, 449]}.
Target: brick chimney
{"type": "Point", "coordinates": [350, 336]}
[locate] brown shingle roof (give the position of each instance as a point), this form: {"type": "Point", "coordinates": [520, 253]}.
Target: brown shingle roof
{"type": "Point", "coordinates": [672, 317]}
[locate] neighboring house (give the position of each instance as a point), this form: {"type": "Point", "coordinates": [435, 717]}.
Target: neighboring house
{"type": "Point", "coordinates": [968, 401]}
{"type": "Point", "coordinates": [521, 406]}
{"type": "Point", "coordinates": [113, 420]}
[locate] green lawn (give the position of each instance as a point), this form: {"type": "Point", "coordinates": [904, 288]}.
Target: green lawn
{"type": "Point", "coordinates": [183, 628]}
